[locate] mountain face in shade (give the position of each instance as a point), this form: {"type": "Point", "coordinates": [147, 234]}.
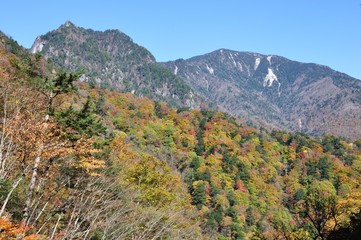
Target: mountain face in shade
{"type": "Point", "coordinates": [273, 91]}
{"type": "Point", "coordinates": [112, 60]}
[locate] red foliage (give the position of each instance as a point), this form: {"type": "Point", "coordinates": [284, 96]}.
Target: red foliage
{"type": "Point", "coordinates": [192, 132]}
{"type": "Point", "coordinates": [240, 186]}
{"type": "Point", "coordinates": [164, 109]}
{"type": "Point", "coordinates": [208, 190]}
{"type": "Point", "coordinates": [302, 155]}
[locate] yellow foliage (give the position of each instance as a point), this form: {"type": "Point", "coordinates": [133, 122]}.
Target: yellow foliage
{"type": "Point", "coordinates": [84, 150]}
{"type": "Point", "coordinates": [222, 201]}
{"type": "Point", "coordinates": [226, 221]}
{"type": "Point", "coordinates": [153, 178]}
{"type": "Point", "coordinates": [300, 234]}
{"type": "Point", "coordinates": [214, 162]}
{"type": "Point", "coordinates": [347, 207]}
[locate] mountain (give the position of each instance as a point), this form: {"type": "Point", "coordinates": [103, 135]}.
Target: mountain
{"type": "Point", "coordinates": [81, 162]}
{"type": "Point", "coordinates": [112, 60]}
{"type": "Point", "coordinates": [266, 90]}
{"type": "Point", "coordinates": [276, 92]}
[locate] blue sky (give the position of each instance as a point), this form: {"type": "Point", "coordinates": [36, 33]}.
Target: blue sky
{"type": "Point", "coordinates": [319, 31]}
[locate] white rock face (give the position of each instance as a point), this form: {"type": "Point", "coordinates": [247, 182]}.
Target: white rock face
{"type": "Point", "coordinates": [83, 78]}
{"type": "Point", "coordinates": [269, 59]}
{"type": "Point", "coordinates": [239, 65]}
{"type": "Point", "coordinates": [278, 89]}
{"type": "Point", "coordinates": [231, 57]}
{"type": "Point", "coordinates": [269, 79]}
{"type": "Point", "coordinates": [207, 85]}
{"type": "Point", "coordinates": [256, 64]}
{"type": "Point", "coordinates": [37, 46]}
{"type": "Point", "coordinates": [210, 69]}
{"type": "Point", "coordinates": [190, 101]}
{"type": "Point", "coordinates": [175, 70]}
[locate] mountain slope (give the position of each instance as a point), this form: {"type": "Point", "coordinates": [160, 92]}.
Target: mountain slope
{"type": "Point", "coordinates": [112, 60]}
{"type": "Point", "coordinates": [275, 91]}
{"type": "Point", "coordinates": [99, 164]}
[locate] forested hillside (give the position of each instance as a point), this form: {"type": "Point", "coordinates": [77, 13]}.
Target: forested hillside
{"type": "Point", "coordinates": [80, 162]}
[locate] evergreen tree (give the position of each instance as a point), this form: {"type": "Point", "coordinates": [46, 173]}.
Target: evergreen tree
{"type": "Point", "coordinates": [199, 195]}
{"type": "Point", "coordinates": [81, 123]}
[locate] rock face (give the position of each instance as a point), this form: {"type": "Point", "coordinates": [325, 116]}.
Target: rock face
{"type": "Point", "coordinates": [273, 91]}
{"type": "Point", "coordinates": [112, 60]}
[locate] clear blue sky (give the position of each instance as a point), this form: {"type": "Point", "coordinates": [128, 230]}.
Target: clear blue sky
{"type": "Point", "coordinates": [327, 32]}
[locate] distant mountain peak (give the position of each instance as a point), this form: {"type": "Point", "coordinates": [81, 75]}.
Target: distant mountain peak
{"type": "Point", "coordinates": [111, 59]}
{"type": "Point", "coordinates": [68, 24]}
{"type": "Point", "coordinates": [276, 92]}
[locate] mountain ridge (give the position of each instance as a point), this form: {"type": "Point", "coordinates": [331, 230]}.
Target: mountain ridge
{"type": "Point", "coordinates": [270, 91]}
{"type": "Point", "coordinates": [111, 59]}
{"type": "Point", "coordinates": [277, 87]}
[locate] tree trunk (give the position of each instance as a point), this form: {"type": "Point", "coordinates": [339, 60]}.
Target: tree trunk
{"type": "Point", "coordinates": [50, 105]}
{"type": "Point", "coordinates": [32, 184]}
{"type": "Point", "coordinates": [56, 226]}
{"type": "Point", "coordinates": [5, 142]}
{"type": "Point", "coordinates": [36, 164]}
{"type": "Point", "coordinates": [15, 184]}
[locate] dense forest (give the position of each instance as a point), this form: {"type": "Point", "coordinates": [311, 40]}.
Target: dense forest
{"type": "Point", "coordinates": [81, 162]}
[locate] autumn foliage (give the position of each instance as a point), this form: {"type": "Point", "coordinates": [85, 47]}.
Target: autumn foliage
{"type": "Point", "coordinates": [92, 163]}
{"type": "Point", "coordinates": [10, 230]}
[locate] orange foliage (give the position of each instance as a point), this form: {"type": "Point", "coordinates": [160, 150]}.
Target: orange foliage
{"type": "Point", "coordinates": [208, 126]}
{"type": "Point", "coordinates": [10, 230]}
